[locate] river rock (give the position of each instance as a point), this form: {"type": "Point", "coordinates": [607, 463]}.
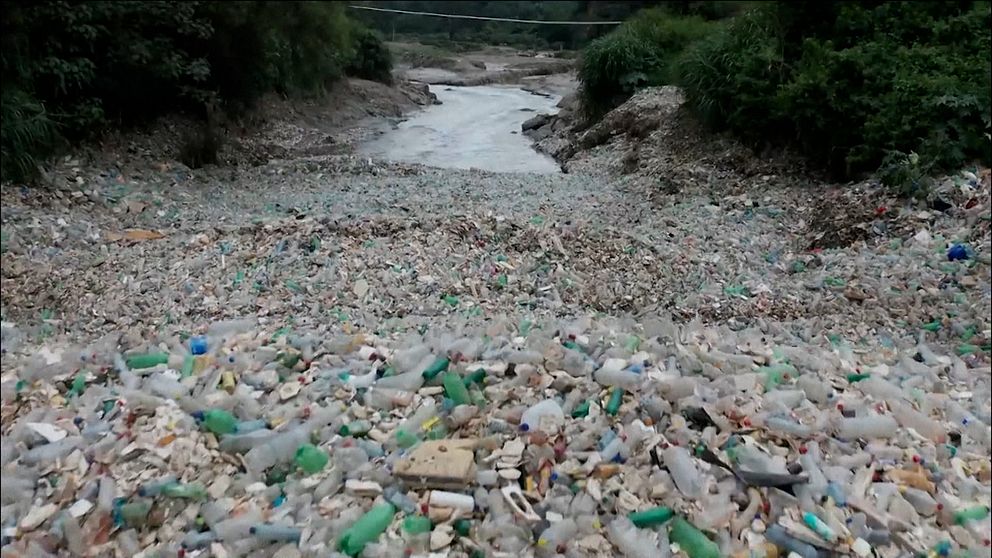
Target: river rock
{"type": "Point", "coordinates": [535, 122]}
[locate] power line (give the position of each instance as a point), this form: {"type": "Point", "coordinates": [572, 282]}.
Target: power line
{"type": "Point", "coordinates": [507, 19]}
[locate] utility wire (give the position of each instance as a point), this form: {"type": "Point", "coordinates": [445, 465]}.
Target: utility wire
{"type": "Point", "coordinates": [506, 19]}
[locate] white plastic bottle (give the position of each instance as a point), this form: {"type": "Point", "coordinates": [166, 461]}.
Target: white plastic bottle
{"type": "Point", "coordinates": [547, 412]}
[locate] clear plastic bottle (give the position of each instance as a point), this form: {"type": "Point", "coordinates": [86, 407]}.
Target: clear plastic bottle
{"type": "Point", "coordinates": [877, 426]}
{"type": "Point", "coordinates": [909, 417]}
{"type": "Point", "coordinates": [683, 470]}
{"type": "Point", "coordinates": [555, 538]}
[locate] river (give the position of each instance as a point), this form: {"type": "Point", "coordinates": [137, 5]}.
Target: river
{"type": "Point", "coordinates": [473, 127]}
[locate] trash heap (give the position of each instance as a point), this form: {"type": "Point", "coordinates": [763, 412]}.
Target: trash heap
{"type": "Point", "coordinates": [589, 437]}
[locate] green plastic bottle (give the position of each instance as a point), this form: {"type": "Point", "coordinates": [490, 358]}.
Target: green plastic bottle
{"type": "Point", "coordinates": [147, 361]}
{"type": "Point", "coordinates": [78, 384]}
{"type": "Point", "coordinates": [616, 398]}
{"type": "Point", "coordinates": [135, 514]}
{"type": "Point", "coordinates": [436, 367]}
{"type": "Point", "coordinates": [651, 517]}
{"type": "Point", "coordinates": [405, 439]}
{"type": "Point", "coordinates": [581, 410]}
{"type": "Point", "coordinates": [417, 524]}
{"type": "Point", "coordinates": [478, 397]}
{"type": "Point", "coordinates": [191, 491]}
{"type": "Point", "coordinates": [476, 377]}
{"type": "Point", "coordinates": [692, 541]}
{"type": "Point", "coordinates": [855, 378]}
{"type": "Point", "coordinates": [218, 421]}
{"type": "Point", "coordinates": [455, 390]}
{"type": "Point", "coordinates": [974, 513]}
{"type": "Point", "coordinates": [367, 529]}
{"type": "Point", "coordinates": [310, 458]}
{"type": "Point", "coordinates": [189, 361]}
{"type": "Point", "coordinates": [967, 349]}
{"type": "Point", "coordinates": [463, 527]}
{"type": "Point", "coordinates": [776, 374]}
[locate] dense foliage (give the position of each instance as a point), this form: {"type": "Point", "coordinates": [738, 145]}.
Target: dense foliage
{"type": "Point", "coordinates": [69, 68]}
{"type": "Point", "coordinates": [854, 85]}
{"type": "Point", "coordinates": [642, 52]}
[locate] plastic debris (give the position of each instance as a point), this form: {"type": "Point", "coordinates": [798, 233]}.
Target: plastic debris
{"type": "Point", "coordinates": [503, 399]}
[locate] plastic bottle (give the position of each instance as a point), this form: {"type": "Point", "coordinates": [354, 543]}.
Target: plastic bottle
{"type": "Point", "coordinates": [355, 428]}
{"type": "Point", "coordinates": [149, 360]}
{"type": "Point", "coordinates": [478, 376]}
{"type": "Point", "coordinates": [190, 491]}
{"type": "Point", "coordinates": [454, 500]}
{"type": "Point", "coordinates": [974, 513]}
{"type": "Point", "coordinates": [614, 373]}
{"type": "Point", "coordinates": [367, 529]}
{"type": "Point", "coordinates": [692, 541]}
{"type": "Point", "coordinates": [920, 500]}
{"type": "Point", "coordinates": [911, 418]}
{"type": "Point", "coordinates": [631, 542]}
{"type": "Point", "coordinates": [310, 458]}
{"type": "Point", "coordinates": [616, 399]}
{"type": "Point", "coordinates": [557, 535]}
{"type": "Point", "coordinates": [275, 533]}
{"type": "Point", "coordinates": [249, 426]}
{"type": "Point", "coordinates": [195, 539]}
{"type": "Point", "coordinates": [282, 447]}
{"type": "Point", "coordinates": [454, 388]}
{"type": "Point", "coordinates": [362, 382]}
{"type": "Point", "coordinates": [237, 527]}
{"type": "Point", "coordinates": [683, 470]}
{"type": "Point", "coordinates": [548, 411]}
{"type": "Point", "coordinates": [787, 426]}
{"type": "Point", "coordinates": [783, 540]}
{"type": "Point", "coordinates": [819, 527]}
{"type": "Point", "coordinates": [787, 398]}
{"type": "Point", "coordinates": [436, 367]}
{"type": "Point", "coordinates": [217, 421]}
{"type": "Point", "coordinates": [974, 428]}
{"type": "Point", "coordinates": [651, 517]}
{"type": "Point", "coordinates": [878, 426]}
{"type": "Point", "coordinates": [417, 524]}
{"type": "Point", "coordinates": [154, 488]}
{"type": "Point", "coordinates": [816, 391]}
{"type": "Point", "coordinates": [198, 345]}
{"type": "Point", "coordinates": [49, 453]}
{"type": "Point", "coordinates": [408, 381]}
{"type": "Point", "coordinates": [399, 499]}
{"type": "Point", "coordinates": [881, 389]}
{"type": "Point", "coordinates": [413, 427]}
{"type": "Point", "coordinates": [240, 443]}
{"type": "Point", "coordinates": [134, 514]}
{"type": "Point", "coordinates": [387, 399]}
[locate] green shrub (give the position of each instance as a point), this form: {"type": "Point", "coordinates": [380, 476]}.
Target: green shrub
{"type": "Point", "coordinates": [851, 84]}
{"type": "Point", "coordinates": [639, 53]}
{"type": "Point", "coordinates": [371, 58]}
{"type": "Point", "coordinates": [26, 134]}
{"type": "Point", "coordinates": [612, 67]}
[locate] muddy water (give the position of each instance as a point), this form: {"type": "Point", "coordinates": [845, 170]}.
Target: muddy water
{"type": "Point", "coordinates": [473, 127]}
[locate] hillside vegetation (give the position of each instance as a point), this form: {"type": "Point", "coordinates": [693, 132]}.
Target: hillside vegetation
{"type": "Point", "coordinates": [902, 88]}
{"type": "Point", "coordinates": [71, 69]}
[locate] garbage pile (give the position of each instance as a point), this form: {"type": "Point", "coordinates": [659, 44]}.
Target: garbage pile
{"type": "Point", "coordinates": [592, 437]}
